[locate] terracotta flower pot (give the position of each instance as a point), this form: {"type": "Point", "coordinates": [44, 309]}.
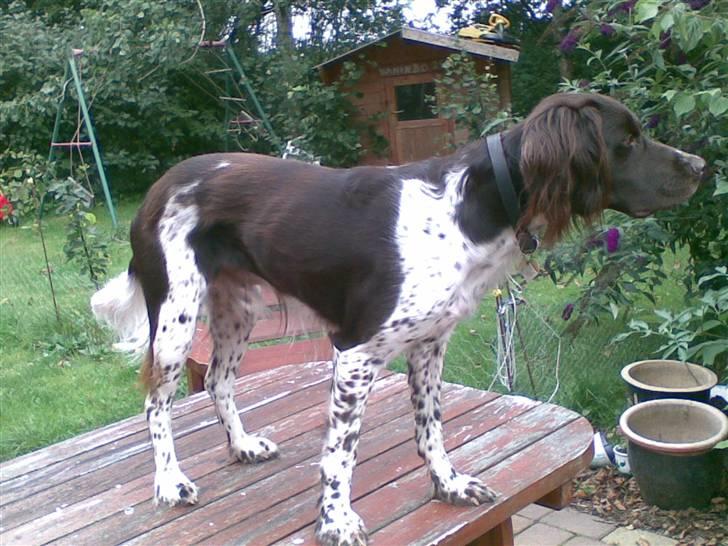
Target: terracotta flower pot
{"type": "Point", "coordinates": [671, 451]}
{"type": "Point", "coordinates": [655, 379]}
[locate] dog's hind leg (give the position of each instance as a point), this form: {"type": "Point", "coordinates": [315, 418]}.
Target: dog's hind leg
{"type": "Point", "coordinates": [172, 332]}
{"type": "Point", "coordinates": [171, 346]}
{"type": "Point", "coordinates": [424, 362]}
{"type": "Point", "coordinates": [232, 317]}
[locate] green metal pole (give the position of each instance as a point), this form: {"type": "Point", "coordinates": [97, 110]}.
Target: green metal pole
{"type": "Point", "coordinates": [92, 137]}
{"type": "Point", "coordinates": [254, 98]}
{"type": "Point", "coordinates": [57, 124]}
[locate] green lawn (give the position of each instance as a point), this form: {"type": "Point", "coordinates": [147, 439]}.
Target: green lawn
{"type": "Point", "coordinates": [59, 378]}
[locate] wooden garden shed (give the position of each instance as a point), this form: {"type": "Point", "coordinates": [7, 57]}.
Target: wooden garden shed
{"type": "Point", "coordinates": [399, 70]}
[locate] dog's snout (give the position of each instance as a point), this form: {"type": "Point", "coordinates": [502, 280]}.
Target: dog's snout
{"type": "Point", "coordinates": [694, 163]}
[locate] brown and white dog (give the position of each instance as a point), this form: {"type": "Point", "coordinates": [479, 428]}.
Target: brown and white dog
{"type": "Point", "coordinates": [391, 258]}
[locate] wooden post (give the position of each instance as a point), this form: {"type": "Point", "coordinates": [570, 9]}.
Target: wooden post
{"type": "Point", "coordinates": [558, 498]}
{"type": "Point", "coordinates": [501, 535]}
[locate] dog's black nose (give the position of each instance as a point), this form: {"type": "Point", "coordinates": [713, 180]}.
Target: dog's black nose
{"type": "Point", "coordinates": [694, 163]}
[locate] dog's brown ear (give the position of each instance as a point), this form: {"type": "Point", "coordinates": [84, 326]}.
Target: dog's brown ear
{"type": "Point", "coordinates": [563, 164]}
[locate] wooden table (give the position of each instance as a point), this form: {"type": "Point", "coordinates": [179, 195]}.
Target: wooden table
{"type": "Point", "coordinates": [96, 488]}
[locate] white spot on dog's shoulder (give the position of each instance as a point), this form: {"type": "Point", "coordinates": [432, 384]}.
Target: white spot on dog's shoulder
{"type": "Point", "coordinates": [222, 165]}
{"type": "Point", "coordinates": [445, 272]}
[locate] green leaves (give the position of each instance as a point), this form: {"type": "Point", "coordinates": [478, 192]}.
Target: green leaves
{"type": "Point", "coordinates": [683, 104]}
{"type": "Point", "coordinates": [718, 105]}
{"type": "Point", "coordinates": [646, 9]}
{"type": "Point", "coordinates": [698, 332]}
{"type": "Point", "coordinates": [469, 98]}
{"type": "Point", "coordinates": [689, 29]}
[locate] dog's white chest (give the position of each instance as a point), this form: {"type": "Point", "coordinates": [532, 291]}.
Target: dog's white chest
{"type": "Point", "coordinates": [445, 274]}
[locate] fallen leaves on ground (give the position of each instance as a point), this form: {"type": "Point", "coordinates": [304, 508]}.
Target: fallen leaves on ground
{"type": "Point", "coordinates": [606, 493]}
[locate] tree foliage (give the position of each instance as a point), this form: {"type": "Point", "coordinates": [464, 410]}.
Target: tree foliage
{"type": "Point", "coordinates": [156, 97]}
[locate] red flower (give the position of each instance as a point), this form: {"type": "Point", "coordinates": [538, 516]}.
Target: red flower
{"type": "Point", "coordinates": [6, 208]}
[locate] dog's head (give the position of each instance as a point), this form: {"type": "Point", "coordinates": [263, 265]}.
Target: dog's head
{"type": "Point", "coordinates": [583, 153]}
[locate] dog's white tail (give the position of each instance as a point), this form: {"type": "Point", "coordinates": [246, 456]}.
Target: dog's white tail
{"type": "Point", "coordinates": [121, 305]}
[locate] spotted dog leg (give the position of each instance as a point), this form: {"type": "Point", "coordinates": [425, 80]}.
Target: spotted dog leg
{"type": "Point", "coordinates": [232, 317]}
{"type": "Point", "coordinates": [424, 362]}
{"type": "Point", "coordinates": [172, 344]}
{"type": "Point", "coordinates": [354, 375]}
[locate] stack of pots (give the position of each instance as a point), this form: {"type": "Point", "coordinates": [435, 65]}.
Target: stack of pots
{"type": "Point", "coordinates": [671, 431]}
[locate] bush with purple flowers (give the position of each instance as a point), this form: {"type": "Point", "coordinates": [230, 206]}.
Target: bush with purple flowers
{"type": "Point", "coordinates": [611, 266]}
{"type": "Point", "coordinates": [665, 59]}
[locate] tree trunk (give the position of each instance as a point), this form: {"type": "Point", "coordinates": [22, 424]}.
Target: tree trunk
{"type": "Point", "coordinates": [284, 25]}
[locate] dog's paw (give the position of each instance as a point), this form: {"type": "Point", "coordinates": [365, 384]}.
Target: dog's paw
{"type": "Point", "coordinates": [174, 488]}
{"type": "Point", "coordinates": [254, 449]}
{"type": "Point", "coordinates": [463, 490]}
{"type": "Point", "coordinates": [340, 527]}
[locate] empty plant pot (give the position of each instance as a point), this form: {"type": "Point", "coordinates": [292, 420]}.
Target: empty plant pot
{"type": "Point", "coordinates": [655, 379]}
{"type": "Point", "coordinates": [671, 451]}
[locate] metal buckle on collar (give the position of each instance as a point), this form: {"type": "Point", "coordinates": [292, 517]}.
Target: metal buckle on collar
{"type": "Point", "coordinates": [527, 242]}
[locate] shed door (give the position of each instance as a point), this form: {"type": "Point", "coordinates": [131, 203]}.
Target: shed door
{"type": "Point", "coordinates": [418, 133]}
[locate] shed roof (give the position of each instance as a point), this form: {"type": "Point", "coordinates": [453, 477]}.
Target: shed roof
{"type": "Point", "coordinates": [454, 43]}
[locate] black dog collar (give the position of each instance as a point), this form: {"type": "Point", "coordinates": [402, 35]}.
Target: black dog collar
{"type": "Point", "coordinates": [526, 241]}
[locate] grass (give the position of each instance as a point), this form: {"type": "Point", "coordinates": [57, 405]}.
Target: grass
{"type": "Point", "coordinates": [59, 378]}
{"type": "Point", "coordinates": [589, 368]}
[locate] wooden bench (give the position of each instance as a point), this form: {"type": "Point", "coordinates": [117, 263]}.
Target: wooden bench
{"type": "Point", "coordinates": [96, 488]}
{"type": "Point", "coordinates": [288, 334]}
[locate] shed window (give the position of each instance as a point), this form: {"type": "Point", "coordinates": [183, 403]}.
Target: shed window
{"type": "Point", "coordinates": [415, 101]}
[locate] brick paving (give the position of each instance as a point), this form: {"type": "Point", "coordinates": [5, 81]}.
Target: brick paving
{"type": "Point", "coordinates": [539, 526]}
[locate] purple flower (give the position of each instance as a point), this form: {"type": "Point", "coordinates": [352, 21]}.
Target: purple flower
{"type": "Point", "coordinates": [653, 121]}
{"type": "Point", "coordinates": [566, 313]}
{"type": "Point", "coordinates": [570, 41]}
{"type": "Point", "coordinates": [697, 4]}
{"type": "Point", "coordinates": [612, 239]}
{"type": "Point", "coordinates": [606, 29]}
{"type": "Point", "coordinates": [551, 5]}
{"type": "Point", "coordinates": [583, 84]}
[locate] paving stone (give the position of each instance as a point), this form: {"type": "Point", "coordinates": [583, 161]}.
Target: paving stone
{"type": "Point", "coordinates": [535, 512]}
{"type": "Point", "coordinates": [520, 523]}
{"type": "Point", "coordinates": [579, 523]}
{"type": "Point", "coordinates": [631, 537]}
{"type": "Point", "coordinates": [540, 534]}
{"type": "Point", "coordinates": [583, 541]}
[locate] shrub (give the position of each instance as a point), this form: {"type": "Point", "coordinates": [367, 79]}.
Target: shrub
{"type": "Point", "coordinates": [697, 332]}
{"type": "Point", "coordinates": [666, 60]}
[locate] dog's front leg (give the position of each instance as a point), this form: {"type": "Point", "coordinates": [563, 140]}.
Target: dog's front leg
{"type": "Point", "coordinates": [354, 375]}
{"type": "Point", "coordinates": [424, 362]}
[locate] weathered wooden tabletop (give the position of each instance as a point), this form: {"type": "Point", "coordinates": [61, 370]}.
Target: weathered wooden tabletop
{"type": "Point", "coordinates": [96, 488]}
